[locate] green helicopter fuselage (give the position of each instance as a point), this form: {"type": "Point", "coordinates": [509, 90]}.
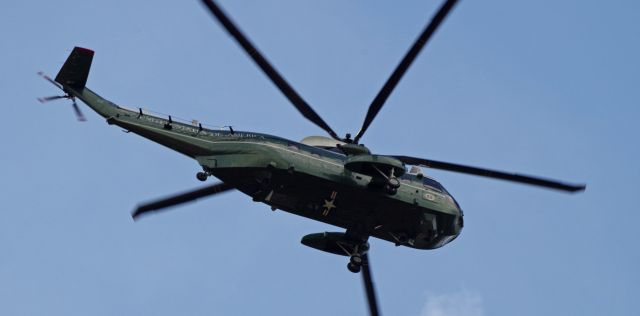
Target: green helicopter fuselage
{"type": "Point", "coordinates": [301, 179]}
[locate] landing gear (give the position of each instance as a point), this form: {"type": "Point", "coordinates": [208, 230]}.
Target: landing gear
{"type": "Point", "coordinates": [355, 263]}
{"type": "Point", "coordinates": [391, 182]}
{"type": "Point", "coordinates": [392, 185]}
{"type": "Point", "coordinates": [355, 253]}
{"type": "Point", "coordinates": [202, 176]}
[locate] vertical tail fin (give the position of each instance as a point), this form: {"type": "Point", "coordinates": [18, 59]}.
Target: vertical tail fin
{"type": "Point", "coordinates": [75, 71]}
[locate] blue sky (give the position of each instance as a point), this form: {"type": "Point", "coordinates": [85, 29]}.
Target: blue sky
{"type": "Point", "coordinates": [546, 88]}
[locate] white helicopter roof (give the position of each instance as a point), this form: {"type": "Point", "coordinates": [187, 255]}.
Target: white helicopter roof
{"type": "Point", "coordinates": [321, 141]}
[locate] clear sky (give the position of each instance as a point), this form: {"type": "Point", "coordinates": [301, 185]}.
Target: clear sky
{"type": "Point", "coordinates": [547, 88]}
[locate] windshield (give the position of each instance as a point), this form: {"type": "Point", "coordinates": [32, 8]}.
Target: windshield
{"type": "Point", "coordinates": [433, 184]}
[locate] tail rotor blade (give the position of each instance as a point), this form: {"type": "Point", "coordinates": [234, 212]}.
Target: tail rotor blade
{"type": "Point", "coordinates": [76, 109]}
{"type": "Point", "coordinates": [41, 74]}
{"type": "Point", "coordinates": [369, 286]}
{"type": "Point", "coordinates": [79, 114]}
{"type": "Point", "coordinates": [55, 97]}
{"type": "Point", "coordinates": [180, 198]}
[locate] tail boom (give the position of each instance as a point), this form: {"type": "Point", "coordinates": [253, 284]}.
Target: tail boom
{"type": "Point", "coordinates": [181, 137]}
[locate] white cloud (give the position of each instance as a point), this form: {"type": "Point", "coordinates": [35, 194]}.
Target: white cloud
{"type": "Point", "coordinates": [463, 303]}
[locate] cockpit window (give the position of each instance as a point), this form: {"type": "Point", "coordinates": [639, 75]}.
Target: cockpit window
{"type": "Point", "coordinates": [433, 184]}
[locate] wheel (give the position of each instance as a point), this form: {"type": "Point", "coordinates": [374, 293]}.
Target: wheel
{"type": "Point", "coordinates": [201, 176]}
{"type": "Point", "coordinates": [393, 183]}
{"type": "Point", "coordinates": [355, 264]}
{"type": "Point", "coordinates": [353, 267]}
{"type": "Point", "coordinates": [390, 190]}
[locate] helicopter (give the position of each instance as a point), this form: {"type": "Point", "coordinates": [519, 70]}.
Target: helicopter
{"type": "Point", "coordinates": [334, 180]}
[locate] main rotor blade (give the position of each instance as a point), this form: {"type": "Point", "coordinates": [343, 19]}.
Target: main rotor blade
{"type": "Point", "coordinates": [369, 286]}
{"type": "Point", "coordinates": [180, 198]}
{"type": "Point", "coordinates": [400, 70]}
{"type": "Point", "coordinates": [547, 183]}
{"type": "Point", "coordinates": [297, 101]}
